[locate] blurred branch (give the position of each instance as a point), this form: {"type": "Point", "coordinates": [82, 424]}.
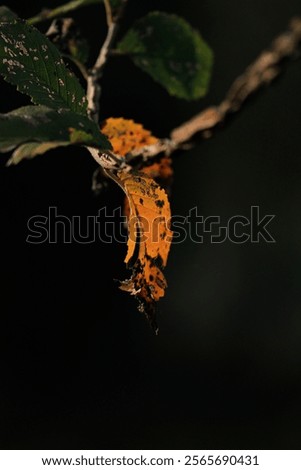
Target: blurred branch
{"type": "Point", "coordinates": [95, 73]}
{"type": "Point", "coordinates": [108, 12]}
{"type": "Point", "coordinates": [260, 73]}
{"type": "Point", "coordinates": [47, 14]}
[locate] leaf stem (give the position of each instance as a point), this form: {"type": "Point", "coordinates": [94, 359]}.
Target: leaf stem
{"type": "Point", "coordinates": [117, 52]}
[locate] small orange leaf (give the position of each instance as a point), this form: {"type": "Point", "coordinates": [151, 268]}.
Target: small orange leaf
{"type": "Point", "coordinates": [148, 213]}
{"type": "Point", "coordinates": [160, 170]}
{"type": "Point", "coordinates": [149, 240]}
{"type": "Point", "coordinates": [126, 135]}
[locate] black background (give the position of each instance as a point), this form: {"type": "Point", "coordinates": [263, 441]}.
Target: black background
{"type": "Point", "coordinates": [80, 367]}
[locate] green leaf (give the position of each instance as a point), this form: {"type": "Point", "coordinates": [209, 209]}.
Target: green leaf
{"type": "Point", "coordinates": [32, 63]}
{"type": "Point", "coordinates": [42, 124]}
{"type": "Point", "coordinates": [31, 150]}
{"type": "Point", "coordinates": [174, 54]}
{"type": "Point", "coordinates": [6, 14]}
{"type": "Point", "coordinates": [116, 4]}
{"type": "Point", "coordinates": [79, 49]}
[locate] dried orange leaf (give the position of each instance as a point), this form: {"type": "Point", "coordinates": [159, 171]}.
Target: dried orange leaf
{"type": "Point", "coordinates": [126, 135]}
{"type": "Point", "coordinates": [161, 171]}
{"type": "Point", "coordinates": [149, 240]}
{"type": "Point", "coordinates": [148, 214]}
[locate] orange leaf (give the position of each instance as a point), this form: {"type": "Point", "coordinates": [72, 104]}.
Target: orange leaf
{"type": "Point", "coordinates": [161, 171]}
{"type": "Point", "coordinates": [148, 212]}
{"type": "Point", "coordinates": [126, 135]}
{"type": "Point", "coordinates": [149, 240]}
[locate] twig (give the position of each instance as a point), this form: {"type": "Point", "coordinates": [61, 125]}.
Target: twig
{"type": "Point", "coordinates": [47, 14]}
{"type": "Point", "coordinates": [261, 72]}
{"type": "Point", "coordinates": [163, 145]}
{"type": "Point", "coordinates": [95, 73]}
{"type": "Point", "coordinates": [108, 12]}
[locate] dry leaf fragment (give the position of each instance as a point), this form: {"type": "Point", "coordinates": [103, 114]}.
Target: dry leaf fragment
{"type": "Point", "coordinates": [149, 240]}
{"type": "Point", "coordinates": [126, 135]}
{"type": "Point", "coordinates": [161, 171]}
{"type": "Point", "coordinates": [148, 214]}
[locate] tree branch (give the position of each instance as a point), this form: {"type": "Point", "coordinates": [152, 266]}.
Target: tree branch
{"type": "Point", "coordinates": [47, 14]}
{"type": "Point", "coordinates": [260, 73]}
{"type": "Point", "coordinates": [95, 73]}
{"type": "Point", "coordinates": [108, 12]}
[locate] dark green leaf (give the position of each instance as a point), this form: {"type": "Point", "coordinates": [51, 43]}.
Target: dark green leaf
{"type": "Point", "coordinates": [174, 54]}
{"type": "Point", "coordinates": [116, 4]}
{"type": "Point", "coordinates": [32, 63]}
{"type": "Point", "coordinates": [6, 14]}
{"type": "Point", "coordinates": [79, 49]}
{"type": "Point", "coordinates": [31, 150]}
{"type": "Point", "coordinates": [42, 124]}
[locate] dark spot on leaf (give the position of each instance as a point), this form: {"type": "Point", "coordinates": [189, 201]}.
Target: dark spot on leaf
{"type": "Point", "coordinates": [158, 262]}
{"type": "Point", "coordinates": [159, 203]}
{"type": "Point", "coordinates": [160, 283]}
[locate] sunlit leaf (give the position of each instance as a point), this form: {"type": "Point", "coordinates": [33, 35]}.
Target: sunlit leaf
{"type": "Point", "coordinates": [149, 241]}
{"type": "Point", "coordinates": [126, 135]}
